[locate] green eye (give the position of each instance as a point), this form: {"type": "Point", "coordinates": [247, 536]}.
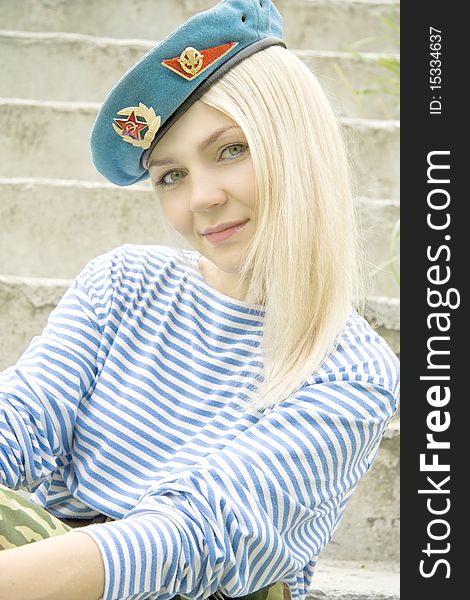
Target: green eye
{"type": "Point", "coordinates": [234, 151]}
{"type": "Point", "coordinates": [172, 177]}
{"type": "Point", "coordinates": [169, 179]}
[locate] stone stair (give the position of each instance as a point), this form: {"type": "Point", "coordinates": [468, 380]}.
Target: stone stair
{"type": "Point", "coordinates": [352, 580]}
{"type": "Point", "coordinates": [58, 61]}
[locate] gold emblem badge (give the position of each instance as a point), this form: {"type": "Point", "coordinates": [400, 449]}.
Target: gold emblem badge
{"type": "Point", "coordinates": [140, 121]}
{"type": "Point", "coordinates": [192, 62]}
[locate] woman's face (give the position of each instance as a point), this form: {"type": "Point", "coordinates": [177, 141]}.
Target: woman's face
{"type": "Point", "coordinates": [203, 173]}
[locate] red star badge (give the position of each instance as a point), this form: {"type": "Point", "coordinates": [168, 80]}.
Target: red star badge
{"type": "Point", "coordinates": [136, 119]}
{"type": "Point", "coordinates": [131, 126]}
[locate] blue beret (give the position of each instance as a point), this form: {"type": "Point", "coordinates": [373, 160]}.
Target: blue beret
{"type": "Point", "coordinates": [164, 83]}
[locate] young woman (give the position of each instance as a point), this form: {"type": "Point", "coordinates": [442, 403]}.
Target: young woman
{"type": "Point", "coordinates": [202, 415]}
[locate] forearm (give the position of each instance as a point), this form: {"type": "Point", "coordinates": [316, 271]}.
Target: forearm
{"type": "Point", "coordinates": [68, 566]}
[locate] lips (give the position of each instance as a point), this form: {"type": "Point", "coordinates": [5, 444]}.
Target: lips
{"type": "Point", "coordinates": [223, 234]}
{"type": "Point", "coordinates": [222, 227]}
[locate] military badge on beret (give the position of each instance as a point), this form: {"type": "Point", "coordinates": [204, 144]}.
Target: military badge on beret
{"type": "Point", "coordinates": [140, 121]}
{"type": "Point", "coordinates": [192, 62]}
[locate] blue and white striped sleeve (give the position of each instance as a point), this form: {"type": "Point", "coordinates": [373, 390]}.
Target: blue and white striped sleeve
{"type": "Point", "coordinates": [39, 395]}
{"type": "Point", "coordinates": [256, 512]}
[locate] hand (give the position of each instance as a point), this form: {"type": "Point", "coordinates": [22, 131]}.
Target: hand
{"type": "Point", "coordinates": [67, 566]}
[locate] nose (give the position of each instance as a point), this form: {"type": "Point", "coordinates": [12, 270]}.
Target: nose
{"type": "Point", "coordinates": [205, 192]}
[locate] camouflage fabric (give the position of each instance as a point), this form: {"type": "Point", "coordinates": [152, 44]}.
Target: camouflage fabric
{"type": "Point", "coordinates": [278, 591]}
{"type": "Point", "coordinates": [22, 522]}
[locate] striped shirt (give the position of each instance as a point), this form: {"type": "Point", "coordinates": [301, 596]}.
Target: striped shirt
{"type": "Point", "coordinates": [133, 403]}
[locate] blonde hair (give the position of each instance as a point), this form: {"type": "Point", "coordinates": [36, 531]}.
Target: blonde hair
{"type": "Point", "coordinates": [302, 262]}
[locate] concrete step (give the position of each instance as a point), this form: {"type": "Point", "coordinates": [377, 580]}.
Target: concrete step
{"type": "Point", "coordinates": [308, 24]}
{"type": "Point", "coordinates": [383, 313]}
{"type": "Point", "coordinates": [51, 139]}
{"type": "Point", "coordinates": [358, 84]}
{"type": "Point", "coordinates": [374, 147]}
{"type": "Point", "coordinates": [25, 306]}
{"type": "Point", "coordinates": [44, 220]}
{"type": "Point", "coordinates": [379, 222]}
{"type": "Point", "coordinates": [353, 580]}
{"type": "Point", "coordinates": [75, 67]}
{"type": "Point", "coordinates": [45, 223]}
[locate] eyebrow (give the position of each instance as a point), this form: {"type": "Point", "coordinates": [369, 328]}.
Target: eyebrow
{"type": "Point", "coordinates": [202, 146]}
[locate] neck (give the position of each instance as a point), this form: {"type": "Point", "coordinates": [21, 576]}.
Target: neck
{"type": "Point", "coordinates": [226, 283]}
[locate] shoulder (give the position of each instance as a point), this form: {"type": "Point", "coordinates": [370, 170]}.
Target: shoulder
{"type": "Point", "coordinates": [361, 354]}
{"type": "Point", "coordinates": [362, 367]}
{"type": "Point", "coordinates": [130, 274]}
{"type": "Point", "coordinates": [132, 263]}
